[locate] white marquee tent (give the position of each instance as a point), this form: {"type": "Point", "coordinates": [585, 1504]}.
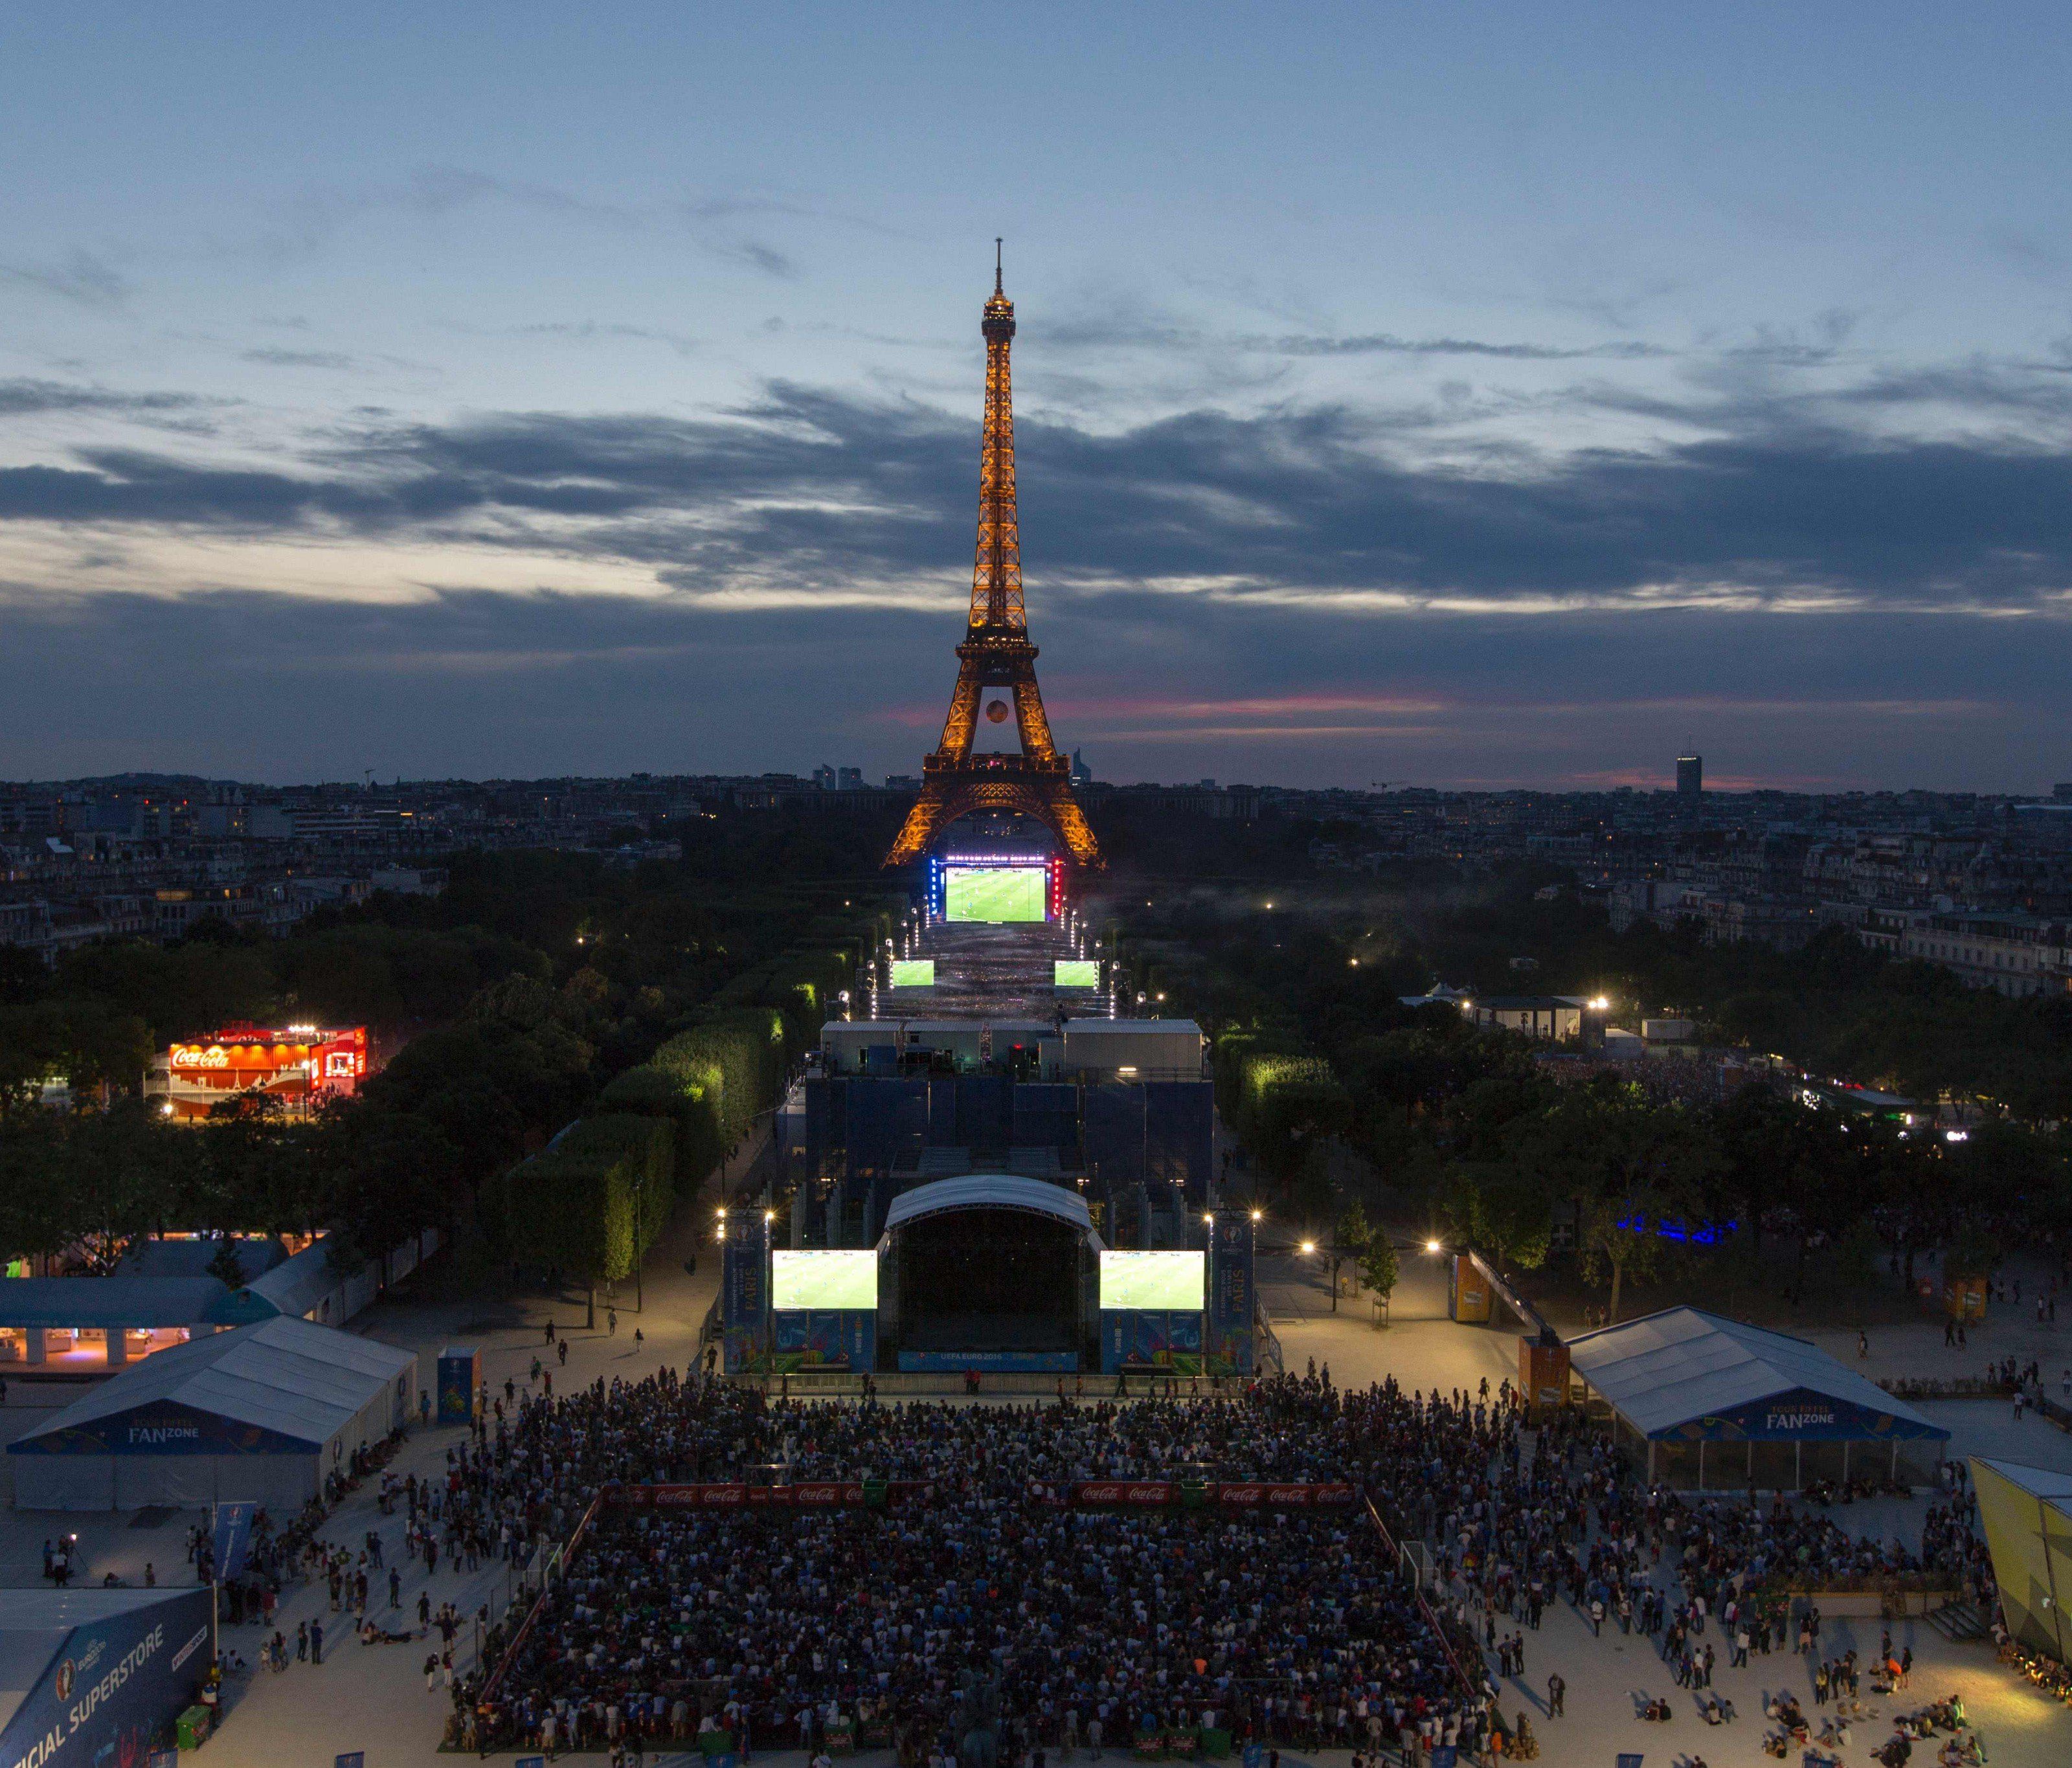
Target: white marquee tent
{"type": "Point", "coordinates": [261, 1412]}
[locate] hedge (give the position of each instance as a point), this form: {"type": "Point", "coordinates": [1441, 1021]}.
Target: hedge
{"type": "Point", "coordinates": [654, 1091]}
{"type": "Point", "coordinates": [737, 1054]}
{"type": "Point", "coordinates": [574, 1204]}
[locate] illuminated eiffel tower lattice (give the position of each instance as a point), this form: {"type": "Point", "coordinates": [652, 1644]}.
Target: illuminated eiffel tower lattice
{"type": "Point", "coordinates": [997, 653]}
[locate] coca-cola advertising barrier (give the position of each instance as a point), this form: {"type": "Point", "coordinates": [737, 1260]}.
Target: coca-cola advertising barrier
{"type": "Point", "coordinates": [806, 1494]}
{"type": "Point", "coordinates": [1228, 1494]}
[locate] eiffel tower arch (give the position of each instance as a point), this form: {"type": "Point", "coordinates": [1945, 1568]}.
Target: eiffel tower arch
{"type": "Point", "coordinates": [997, 653]}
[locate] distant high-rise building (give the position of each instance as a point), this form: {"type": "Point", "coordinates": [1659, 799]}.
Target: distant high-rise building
{"type": "Point", "coordinates": [848, 780]}
{"type": "Point", "coordinates": [1690, 775]}
{"type": "Point", "coordinates": [824, 777]}
{"type": "Point", "coordinates": [1081, 774]}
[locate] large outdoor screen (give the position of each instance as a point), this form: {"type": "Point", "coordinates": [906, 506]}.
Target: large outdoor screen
{"type": "Point", "coordinates": [1075, 973]}
{"type": "Point", "coordinates": [1153, 1279]}
{"type": "Point", "coordinates": [803, 1280]}
{"type": "Point", "coordinates": [995, 893]}
{"type": "Point", "coordinates": [912, 972]}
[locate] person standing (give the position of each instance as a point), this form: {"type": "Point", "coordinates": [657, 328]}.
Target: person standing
{"type": "Point", "coordinates": [1556, 1691]}
{"type": "Point", "coordinates": [316, 1642]}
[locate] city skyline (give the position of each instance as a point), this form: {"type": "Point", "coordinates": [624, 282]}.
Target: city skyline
{"type": "Point", "coordinates": [1475, 402]}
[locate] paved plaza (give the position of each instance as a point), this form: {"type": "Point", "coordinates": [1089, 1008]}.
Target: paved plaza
{"type": "Point", "coordinates": [375, 1699]}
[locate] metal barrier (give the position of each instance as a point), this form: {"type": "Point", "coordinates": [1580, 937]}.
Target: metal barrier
{"type": "Point", "coordinates": [1397, 1553]}
{"type": "Point", "coordinates": [1528, 1315]}
{"type": "Point", "coordinates": [1266, 1344]}
{"type": "Point", "coordinates": [551, 1568]}
{"type": "Point", "coordinates": [1088, 1385]}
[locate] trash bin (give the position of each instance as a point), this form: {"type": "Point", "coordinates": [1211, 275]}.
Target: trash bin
{"type": "Point", "coordinates": [190, 1729]}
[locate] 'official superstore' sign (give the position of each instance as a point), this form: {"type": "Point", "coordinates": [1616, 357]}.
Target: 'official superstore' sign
{"type": "Point", "coordinates": [46, 1748]}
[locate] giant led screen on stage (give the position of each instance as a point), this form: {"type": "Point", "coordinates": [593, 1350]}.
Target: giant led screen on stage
{"type": "Point", "coordinates": [912, 972]}
{"type": "Point", "coordinates": [826, 1280]}
{"type": "Point", "coordinates": [1153, 1279]}
{"type": "Point", "coordinates": [995, 893]}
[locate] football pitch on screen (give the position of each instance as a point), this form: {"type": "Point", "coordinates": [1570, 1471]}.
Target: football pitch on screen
{"type": "Point", "coordinates": [1075, 973]}
{"type": "Point", "coordinates": [912, 972]}
{"type": "Point", "coordinates": [1153, 1279]}
{"type": "Point", "coordinates": [806, 1280]}
{"type": "Point", "coordinates": [995, 893]}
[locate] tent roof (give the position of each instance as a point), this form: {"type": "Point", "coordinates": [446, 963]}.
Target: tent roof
{"type": "Point", "coordinates": [297, 1284]}
{"type": "Point", "coordinates": [1671, 1368]}
{"type": "Point", "coordinates": [992, 1190]}
{"type": "Point", "coordinates": [108, 1300]}
{"type": "Point", "coordinates": [2037, 1481]}
{"type": "Point", "coordinates": [299, 1380]}
{"type": "Point", "coordinates": [190, 1255]}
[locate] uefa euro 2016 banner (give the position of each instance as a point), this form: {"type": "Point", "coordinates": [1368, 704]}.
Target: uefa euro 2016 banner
{"type": "Point", "coordinates": [1225, 1494]}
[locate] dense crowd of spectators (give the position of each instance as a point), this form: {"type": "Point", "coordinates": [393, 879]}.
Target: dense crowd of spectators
{"type": "Point", "coordinates": [785, 1628]}
{"type": "Point", "coordinates": [790, 1629]}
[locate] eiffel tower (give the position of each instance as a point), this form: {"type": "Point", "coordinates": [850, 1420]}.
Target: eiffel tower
{"type": "Point", "coordinates": [997, 653]}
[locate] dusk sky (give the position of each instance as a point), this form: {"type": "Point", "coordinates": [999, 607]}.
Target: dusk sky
{"type": "Point", "coordinates": [1474, 395]}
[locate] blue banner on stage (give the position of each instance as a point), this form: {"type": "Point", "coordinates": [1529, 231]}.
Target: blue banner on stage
{"type": "Point", "coordinates": [1063, 1363]}
{"type": "Point", "coordinates": [832, 1339]}
{"type": "Point", "coordinates": [1231, 1295]}
{"type": "Point", "coordinates": [1169, 1340]}
{"type": "Point", "coordinates": [744, 1293]}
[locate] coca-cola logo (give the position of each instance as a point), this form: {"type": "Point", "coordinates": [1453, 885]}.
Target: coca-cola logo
{"type": "Point", "coordinates": [1125, 1491]}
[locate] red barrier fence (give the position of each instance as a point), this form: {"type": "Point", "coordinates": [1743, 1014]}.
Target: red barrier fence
{"type": "Point", "coordinates": [1218, 1494]}
{"type": "Point", "coordinates": [804, 1495]}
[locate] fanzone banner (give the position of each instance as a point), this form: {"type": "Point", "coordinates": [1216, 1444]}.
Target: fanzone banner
{"type": "Point", "coordinates": [1232, 1494]}
{"type": "Point", "coordinates": [807, 1495]}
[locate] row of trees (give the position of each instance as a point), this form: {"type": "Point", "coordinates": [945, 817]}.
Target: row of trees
{"type": "Point", "coordinates": [542, 991]}
{"type": "Point", "coordinates": [1322, 1073]}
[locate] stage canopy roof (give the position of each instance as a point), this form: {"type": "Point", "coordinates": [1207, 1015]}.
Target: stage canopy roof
{"type": "Point", "coordinates": [1686, 1375]}
{"type": "Point", "coordinates": [992, 1190]}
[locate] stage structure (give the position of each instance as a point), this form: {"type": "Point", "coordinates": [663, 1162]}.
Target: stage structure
{"type": "Point", "coordinates": [1037, 782]}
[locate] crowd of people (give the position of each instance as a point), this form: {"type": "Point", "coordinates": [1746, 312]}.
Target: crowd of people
{"type": "Point", "coordinates": [789, 1629]}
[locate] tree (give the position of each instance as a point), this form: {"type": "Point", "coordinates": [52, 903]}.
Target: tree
{"type": "Point", "coordinates": [1856, 1260]}
{"type": "Point", "coordinates": [223, 1265]}
{"type": "Point", "coordinates": [1622, 1235]}
{"type": "Point", "coordinates": [1973, 1253]}
{"type": "Point", "coordinates": [1379, 1269]}
{"type": "Point", "coordinates": [1505, 1208]}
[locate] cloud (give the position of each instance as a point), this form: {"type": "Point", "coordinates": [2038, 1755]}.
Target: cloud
{"type": "Point", "coordinates": [808, 495]}
{"type": "Point", "coordinates": [24, 397]}
{"type": "Point", "coordinates": [80, 276]}
{"type": "Point", "coordinates": [500, 684]}
{"type": "Point", "coordinates": [586, 331]}
{"type": "Point", "coordinates": [1783, 571]}
{"type": "Point", "coordinates": [299, 359]}
{"type": "Point", "coordinates": [1118, 332]}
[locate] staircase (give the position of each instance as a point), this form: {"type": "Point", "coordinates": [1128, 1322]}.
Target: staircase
{"type": "Point", "coordinates": [1958, 1620]}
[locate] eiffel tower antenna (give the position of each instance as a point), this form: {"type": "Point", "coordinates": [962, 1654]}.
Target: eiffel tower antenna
{"type": "Point", "coordinates": [997, 653]}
